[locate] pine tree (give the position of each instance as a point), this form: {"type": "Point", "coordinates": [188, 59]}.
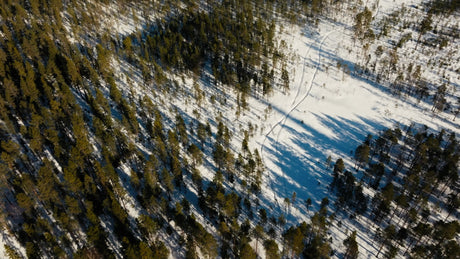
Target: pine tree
{"type": "Point", "coordinates": [258, 233]}
{"type": "Point", "coordinates": [361, 155]}
{"type": "Point", "coordinates": [47, 183]}
{"type": "Point", "coordinates": [351, 245]}
{"type": "Point", "coordinates": [11, 252]}
{"type": "Point", "coordinates": [181, 130]}
{"type": "Point", "coordinates": [339, 166]}
{"type": "Point", "coordinates": [271, 249]}
{"type": "Point", "coordinates": [457, 111]}
{"type": "Point", "coordinates": [362, 23]}
{"type": "Point", "coordinates": [10, 152]}
{"type": "Point", "coordinates": [439, 99]}
{"type": "Point", "coordinates": [246, 252]}
{"type": "Point", "coordinates": [285, 79]}
{"type": "Point", "coordinates": [196, 154]}
{"type": "Point", "coordinates": [425, 26]}
{"type": "Point", "coordinates": [308, 203]}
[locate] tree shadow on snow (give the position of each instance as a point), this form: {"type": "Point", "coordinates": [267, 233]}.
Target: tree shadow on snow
{"type": "Point", "coordinates": [306, 172]}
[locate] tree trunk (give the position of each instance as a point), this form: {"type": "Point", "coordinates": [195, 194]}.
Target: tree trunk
{"type": "Point", "coordinates": [418, 40]}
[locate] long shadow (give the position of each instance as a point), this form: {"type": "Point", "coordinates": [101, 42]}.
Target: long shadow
{"type": "Point", "coordinates": [348, 225]}
{"type": "Point", "coordinates": [367, 77]}
{"type": "Point", "coordinates": [305, 172]}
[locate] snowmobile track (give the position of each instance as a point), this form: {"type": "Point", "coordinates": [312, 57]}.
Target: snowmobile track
{"type": "Point", "coordinates": [294, 105]}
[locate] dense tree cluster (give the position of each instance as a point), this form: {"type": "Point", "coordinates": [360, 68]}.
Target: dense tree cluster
{"type": "Point", "coordinates": [68, 130]}
{"type": "Point", "coordinates": [348, 192]}
{"type": "Point", "coordinates": [232, 37]}
{"type": "Point", "coordinates": [410, 171]}
{"type": "Point", "coordinates": [310, 240]}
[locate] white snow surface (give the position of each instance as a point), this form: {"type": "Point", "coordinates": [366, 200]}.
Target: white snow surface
{"type": "Point", "coordinates": [328, 112]}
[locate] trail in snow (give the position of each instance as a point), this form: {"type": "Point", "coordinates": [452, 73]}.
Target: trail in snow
{"type": "Point", "coordinates": [303, 73]}
{"type": "Point", "coordinates": [274, 126]}
{"type": "Point", "coordinates": [310, 87]}
{"type": "Point", "coordinates": [294, 105]}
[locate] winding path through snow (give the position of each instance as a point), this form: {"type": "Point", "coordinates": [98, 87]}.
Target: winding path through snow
{"type": "Point", "coordinates": [294, 105]}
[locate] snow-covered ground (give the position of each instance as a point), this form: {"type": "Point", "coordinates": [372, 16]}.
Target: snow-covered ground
{"type": "Point", "coordinates": [327, 112]}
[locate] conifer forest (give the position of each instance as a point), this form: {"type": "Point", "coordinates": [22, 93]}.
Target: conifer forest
{"type": "Point", "coordinates": [229, 129]}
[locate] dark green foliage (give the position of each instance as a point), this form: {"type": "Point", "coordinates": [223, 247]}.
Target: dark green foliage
{"type": "Point", "coordinates": [32, 251]}
{"type": "Point", "coordinates": [317, 248]}
{"type": "Point", "coordinates": [181, 130]}
{"type": "Point", "coordinates": [361, 155]}
{"type": "Point", "coordinates": [47, 184]}
{"type": "Point", "coordinates": [351, 246]}
{"type": "Point", "coordinates": [362, 24]}
{"type": "Point", "coordinates": [219, 155]}
{"type": "Point", "coordinates": [191, 252]}
{"type": "Point", "coordinates": [233, 46]}
{"type": "Point", "coordinates": [446, 230]}
{"type": "Point", "coordinates": [271, 249]}
{"type": "Point", "coordinates": [443, 6]}
{"type": "Point", "coordinates": [196, 154]}
{"type": "Point", "coordinates": [11, 252]}
{"type": "Point", "coordinates": [285, 78]}
{"type": "Point", "coordinates": [71, 125]}
{"type": "Point", "coordinates": [425, 25]}
{"type": "Point", "coordinates": [406, 37]}
{"type": "Point", "coordinates": [10, 152]}
{"type": "Point", "coordinates": [339, 166]}
{"type": "Point", "coordinates": [349, 193]}
{"type": "Point", "coordinates": [411, 182]}
{"type": "Point", "coordinates": [247, 252]}
{"type": "Point", "coordinates": [294, 239]}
